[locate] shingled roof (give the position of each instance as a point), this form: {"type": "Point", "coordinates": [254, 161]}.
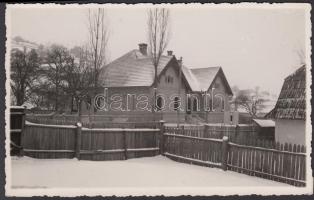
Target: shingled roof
{"type": "Point", "coordinates": [131, 69]}
{"type": "Point", "coordinates": [200, 79]}
{"type": "Point", "coordinates": [291, 101]}
{"type": "Point", "coordinates": [136, 69]}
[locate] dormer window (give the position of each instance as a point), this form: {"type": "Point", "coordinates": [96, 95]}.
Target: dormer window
{"type": "Point", "coordinates": [169, 79]}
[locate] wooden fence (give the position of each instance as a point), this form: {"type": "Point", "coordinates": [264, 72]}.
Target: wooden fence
{"type": "Point", "coordinates": [240, 134]}
{"type": "Point", "coordinates": [284, 163]}
{"type": "Point", "coordinates": [58, 141]}
{"type": "Point", "coordinates": [104, 117]}
{"type": "Point", "coordinates": [93, 124]}
{"type": "Point", "coordinates": [212, 146]}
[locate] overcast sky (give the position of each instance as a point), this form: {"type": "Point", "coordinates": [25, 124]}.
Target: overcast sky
{"type": "Point", "coordinates": [254, 46]}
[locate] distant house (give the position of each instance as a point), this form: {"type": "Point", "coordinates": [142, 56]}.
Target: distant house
{"type": "Point", "coordinates": [19, 43]}
{"type": "Point", "coordinates": [128, 81]}
{"type": "Point", "coordinates": [289, 112]}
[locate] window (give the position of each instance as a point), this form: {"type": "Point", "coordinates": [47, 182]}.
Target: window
{"type": "Point", "coordinates": [169, 79]}
{"type": "Point", "coordinates": [195, 105]}
{"type": "Point", "coordinates": [100, 102]}
{"type": "Point", "coordinates": [176, 103]}
{"type": "Point", "coordinates": [88, 102]}
{"type": "Point", "coordinates": [211, 104]}
{"type": "Point", "coordinates": [189, 104]}
{"type": "Point", "coordinates": [159, 103]}
{"type": "Point", "coordinates": [219, 103]}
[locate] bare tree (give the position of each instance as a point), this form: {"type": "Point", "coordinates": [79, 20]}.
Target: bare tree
{"type": "Point", "coordinates": [158, 36]}
{"type": "Point", "coordinates": [58, 60]}
{"type": "Point", "coordinates": [301, 55]}
{"type": "Point", "coordinates": [78, 77]}
{"type": "Point", "coordinates": [253, 101]}
{"type": "Point", "coordinates": [24, 68]}
{"type": "Point", "coordinates": [98, 29]}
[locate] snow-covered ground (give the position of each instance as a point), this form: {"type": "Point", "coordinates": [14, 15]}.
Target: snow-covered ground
{"type": "Point", "coordinates": [156, 171]}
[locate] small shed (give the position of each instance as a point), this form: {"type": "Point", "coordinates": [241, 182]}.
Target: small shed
{"type": "Point", "coordinates": [290, 110]}
{"type": "Point", "coordinates": [265, 129]}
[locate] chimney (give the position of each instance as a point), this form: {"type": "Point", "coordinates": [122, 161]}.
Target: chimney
{"type": "Point", "coordinates": [143, 48]}
{"type": "Point", "coordinates": [180, 62]}
{"type": "Point", "coordinates": [169, 53]}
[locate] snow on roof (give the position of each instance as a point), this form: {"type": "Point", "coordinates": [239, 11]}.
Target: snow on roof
{"type": "Point", "coordinates": [131, 69]}
{"type": "Point", "coordinates": [136, 69]}
{"type": "Point", "coordinates": [200, 79]}
{"type": "Point", "coordinates": [193, 82]}
{"type": "Point", "coordinates": [205, 76]}
{"type": "Point", "coordinates": [264, 122]}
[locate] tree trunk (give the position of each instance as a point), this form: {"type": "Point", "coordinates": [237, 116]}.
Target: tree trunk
{"type": "Point", "coordinates": [80, 110]}
{"type": "Point", "coordinates": [19, 98]}
{"type": "Point", "coordinates": [72, 98]}
{"type": "Point", "coordinates": [56, 100]}
{"type": "Point", "coordinates": [154, 95]}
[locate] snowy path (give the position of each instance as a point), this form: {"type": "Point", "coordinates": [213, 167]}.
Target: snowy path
{"type": "Point", "coordinates": [156, 171]}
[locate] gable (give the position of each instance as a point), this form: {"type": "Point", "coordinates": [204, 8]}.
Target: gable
{"type": "Point", "coordinates": [202, 79]}
{"type": "Point", "coordinates": [222, 81]}
{"type": "Point", "coordinates": [205, 76]}
{"type": "Point", "coordinates": [219, 84]}
{"type": "Point", "coordinates": [169, 77]}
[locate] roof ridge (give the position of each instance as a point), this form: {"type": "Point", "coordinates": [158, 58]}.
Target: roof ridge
{"type": "Point", "coordinates": [119, 58]}
{"type": "Point", "coordinates": [295, 72]}
{"type": "Point", "coordinates": [205, 67]}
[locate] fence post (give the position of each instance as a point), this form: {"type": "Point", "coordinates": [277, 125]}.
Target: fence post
{"type": "Point", "coordinates": [21, 153]}
{"type": "Point", "coordinates": [78, 140]}
{"type": "Point", "coordinates": [182, 130]}
{"type": "Point", "coordinates": [236, 134]}
{"type": "Point", "coordinates": [206, 128]}
{"type": "Point", "coordinates": [161, 136]}
{"type": "Point", "coordinates": [224, 158]}
{"type": "Point", "coordinates": [125, 145]}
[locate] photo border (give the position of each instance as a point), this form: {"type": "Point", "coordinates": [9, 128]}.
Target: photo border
{"type": "Point", "coordinates": [308, 92]}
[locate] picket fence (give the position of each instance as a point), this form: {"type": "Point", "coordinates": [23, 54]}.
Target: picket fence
{"type": "Point", "coordinates": [59, 141]}
{"type": "Point", "coordinates": [283, 163]}
{"type": "Point", "coordinates": [214, 146]}
{"type": "Point", "coordinates": [240, 134]}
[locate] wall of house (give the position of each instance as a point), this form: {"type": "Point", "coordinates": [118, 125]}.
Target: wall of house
{"type": "Point", "coordinates": [221, 113]}
{"type": "Point", "coordinates": [219, 93]}
{"type": "Point", "coordinates": [170, 89]}
{"type": "Point", "coordinates": [167, 89]}
{"type": "Point", "coordinates": [220, 89]}
{"type": "Point", "coordinates": [290, 131]}
{"type": "Point", "coordinates": [124, 99]}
